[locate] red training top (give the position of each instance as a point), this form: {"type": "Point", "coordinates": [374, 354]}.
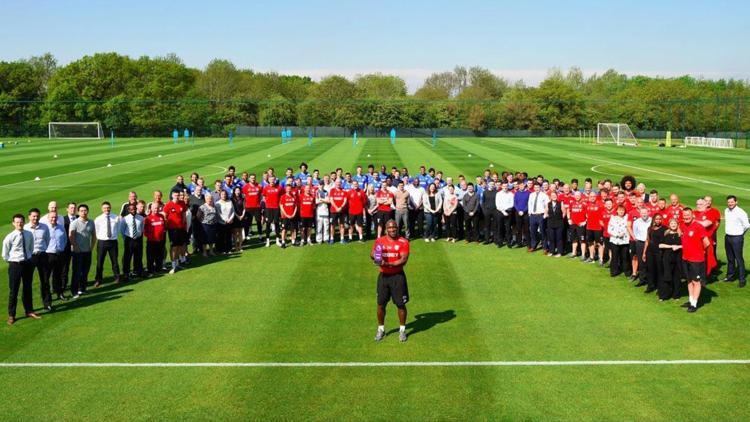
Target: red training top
{"type": "Point", "coordinates": [393, 250]}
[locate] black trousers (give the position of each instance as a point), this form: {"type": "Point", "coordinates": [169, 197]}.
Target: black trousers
{"type": "Point", "coordinates": [224, 238]}
{"type": "Point", "coordinates": [416, 223]}
{"type": "Point", "coordinates": [252, 214]}
{"type": "Point", "coordinates": [106, 248]}
{"type": "Point", "coordinates": [670, 281]}
{"type": "Point", "coordinates": [555, 239]}
{"type": "Point", "coordinates": [54, 271]}
{"type": "Point", "coordinates": [642, 268]}
{"type": "Point", "coordinates": [451, 223]}
{"type": "Point", "coordinates": [272, 217]}
{"type": "Point", "coordinates": [522, 229]}
{"type": "Point", "coordinates": [472, 223]}
{"type": "Point", "coordinates": [81, 268]}
{"type": "Point", "coordinates": [133, 252]}
{"type": "Point", "coordinates": [20, 272]}
{"type": "Point", "coordinates": [654, 269]}
{"type": "Point", "coordinates": [460, 215]}
{"type": "Point", "coordinates": [735, 261]}
{"type": "Point", "coordinates": [504, 233]}
{"type": "Point", "coordinates": [368, 225]}
{"type": "Point", "coordinates": [490, 225]}
{"type": "Point", "coordinates": [154, 256]}
{"type": "Point", "coordinates": [620, 260]}
{"type": "Point", "coordinates": [65, 273]}
{"type": "Point", "coordinates": [196, 235]}
{"type": "Point", "coordinates": [39, 263]}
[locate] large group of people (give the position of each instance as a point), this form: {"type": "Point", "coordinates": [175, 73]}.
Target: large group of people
{"type": "Point", "coordinates": [655, 240]}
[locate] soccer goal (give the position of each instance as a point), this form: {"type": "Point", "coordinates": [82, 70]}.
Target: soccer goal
{"type": "Point", "coordinates": [75, 130]}
{"type": "Point", "coordinates": [615, 133]}
{"type": "Point", "coordinates": [700, 141]}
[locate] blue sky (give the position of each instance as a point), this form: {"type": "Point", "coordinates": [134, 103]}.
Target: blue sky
{"type": "Point", "coordinates": [515, 39]}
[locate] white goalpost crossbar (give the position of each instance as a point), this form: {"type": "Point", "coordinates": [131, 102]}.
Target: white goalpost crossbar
{"type": "Point", "coordinates": [615, 133]}
{"type": "Point", "coordinates": [75, 130]}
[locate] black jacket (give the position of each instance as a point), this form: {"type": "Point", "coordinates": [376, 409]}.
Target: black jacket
{"type": "Point", "coordinates": [554, 215]}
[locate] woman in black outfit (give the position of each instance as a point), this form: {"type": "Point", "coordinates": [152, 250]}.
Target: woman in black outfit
{"type": "Point", "coordinates": [652, 255]}
{"type": "Point", "coordinates": [671, 246]}
{"type": "Point", "coordinates": [238, 202]}
{"type": "Point", "coordinates": [555, 223]}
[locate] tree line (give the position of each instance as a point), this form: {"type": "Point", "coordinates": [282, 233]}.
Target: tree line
{"type": "Point", "coordinates": [150, 96]}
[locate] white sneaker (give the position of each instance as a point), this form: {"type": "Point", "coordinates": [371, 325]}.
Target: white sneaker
{"type": "Point", "coordinates": [427, 240]}
{"type": "Point", "coordinates": [171, 272]}
{"type": "Point", "coordinates": [278, 241]}
{"type": "Point", "coordinates": [268, 242]}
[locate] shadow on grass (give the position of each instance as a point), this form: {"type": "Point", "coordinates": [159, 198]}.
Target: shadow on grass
{"type": "Point", "coordinates": [427, 320]}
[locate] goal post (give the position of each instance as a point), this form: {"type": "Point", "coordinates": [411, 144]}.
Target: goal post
{"type": "Point", "coordinates": [615, 133]}
{"type": "Point", "coordinates": [75, 130]}
{"type": "Point", "coordinates": [700, 141]}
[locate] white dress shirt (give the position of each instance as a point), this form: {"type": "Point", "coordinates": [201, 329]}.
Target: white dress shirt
{"type": "Point", "coordinates": [541, 202]}
{"type": "Point", "coordinates": [736, 223]}
{"type": "Point", "coordinates": [127, 223]}
{"type": "Point", "coordinates": [416, 193]}
{"type": "Point", "coordinates": [18, 246]}
{"type": "Point", "coordinates": [100, 224]}
{"type": "Point", "coordinates": [640, 228]}
{"type": "Point", "coordinates": [504, 201]}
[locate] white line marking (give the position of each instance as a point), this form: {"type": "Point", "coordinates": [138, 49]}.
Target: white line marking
{"type": "Point", "coordinates": [660, 172]}
{"type": "Point", "coordinates": [366, 364]}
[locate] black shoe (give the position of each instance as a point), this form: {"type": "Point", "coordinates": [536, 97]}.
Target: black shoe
{"type": "Point", "coordinates": [692, 309]}
{"type": "Point", "coordinates": [742, 284]}
{"type": "Point", "coordinates": [640, 283]}
{"type": "Point", "coordinates": [685, 305]}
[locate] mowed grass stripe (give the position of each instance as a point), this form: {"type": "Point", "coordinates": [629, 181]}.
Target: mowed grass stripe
{"type": "Point", "coordinates": [418, 152]}
{"type": "Point", "coordinates": [57, 169]}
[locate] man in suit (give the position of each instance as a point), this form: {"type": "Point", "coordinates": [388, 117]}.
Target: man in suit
{"type": "Point", "coordinates": [67, 255]}
{"type": "Point", "coordinates": [555, 226]}
{"type": "Point", "coordinates": [18, 246]}
{"type": "Point", "coordinates": [132, 235]}
{"type": "Point", "coordinates": [107, 227]}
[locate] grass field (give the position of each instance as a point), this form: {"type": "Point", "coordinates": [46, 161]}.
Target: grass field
{"type": "Point", "coordinates": [317, 304]}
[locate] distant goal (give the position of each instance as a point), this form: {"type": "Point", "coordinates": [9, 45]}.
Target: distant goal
{"type": "Point", "coordinates": [700, 141]}
{"type": "Point", "coordinates": [615, 133]}
{"type": "Point", "coordinates": [75, 130]}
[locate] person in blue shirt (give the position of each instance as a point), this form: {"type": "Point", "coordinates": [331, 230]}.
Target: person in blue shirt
{"type": "Point", "coordinates": [302, 175]}
{"type": "Point", "coordinates": [360, 178]}
{"type": "Point", "coordinates": [175, 135]}
{"type": "Point", "coordinates": [521, 207]}
{"type": "Point", "coordinates": [393, 135]}
{"type": "Point", "coordinates": [383, 174]}
{"type": "Point", "coordinates": [288, 174]}
{"type": "Point", "coordinates": [193, 182]}
{"type": "Point", "coordinates": [186, 134]}
{"type": "Point", "coordinates": [346, 184]}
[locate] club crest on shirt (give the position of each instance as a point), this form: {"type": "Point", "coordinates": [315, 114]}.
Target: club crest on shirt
{"type": "Point", "coordinates": [690, 233]}
{"type": "Point", "coordinates": [396, 248]}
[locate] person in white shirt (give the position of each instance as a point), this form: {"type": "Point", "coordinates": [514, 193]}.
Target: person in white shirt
{"type": "Point", "coordinates": [735, 227]}
{"type": "Point", "coordinates": [40, 235]}
{"type": "Point", "coordinates": [17, 248]}
{"type": "Point", "coordinates": [640, 232]}
{"type": "Point", "coordinates": [51, 207]}
{"type": "Point", "coordinates": [131, 227]}
{"type": "Point", "coordinates": [619, 238]}
{"type": "Point", "coordinates": [504, 209]}
{"type": "Point", "coordinates": [416, 208]}
{"type": "Point", "coordinates": [538, 201]}
{"type": "Point", "coordinates": [107, 226]}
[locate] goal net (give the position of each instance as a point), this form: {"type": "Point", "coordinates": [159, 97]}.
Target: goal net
{"type": "Point", "coordinates": [700, 141]}
{"type": "Point", "coordinates": [75, 130]}
{"type": "Point", "coordinates": [615, 133]}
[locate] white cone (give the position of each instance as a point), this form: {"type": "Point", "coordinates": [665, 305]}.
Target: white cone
{"type": "Point", "coordinates": [37, 178]}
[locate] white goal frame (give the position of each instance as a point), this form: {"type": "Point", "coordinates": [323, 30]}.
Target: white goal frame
{"type": "Point", "coordinates": [52, 134]}
{"type": "Point", "coordinates": [700, 141]}
{"type": "Point", "coordinates": [615, 133]}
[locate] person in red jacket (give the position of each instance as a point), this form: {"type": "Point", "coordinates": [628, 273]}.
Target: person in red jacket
{"type": "Point", "coordinates": [594, 227]}
{"type": "Point", "coordinates": [694, 244]}
{"type": "Point", "coordinates": [713, 215]}
{"type": "Point", "coordinates": [306, 212]}
{"type": "Point", "coordinates": [338, 209]}
{"type": "Point", "coordinates": [271, 196]}
{"type": "Point", "coordinates": [154, 229]}
{"type": "Point", "coordinates": [176, 222]}
{"type": "Point", "coordinates": [577, 224]}
{"type": "Point", "coordinates": [357, 199]}
{"type": "Point", "coordinates": [288, 209]}
{"type": "Point", "coordinates": [252, 193]}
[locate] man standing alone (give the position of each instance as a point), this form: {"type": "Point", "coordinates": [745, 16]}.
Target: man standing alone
{"type": "Point", "coordinates": [391, 253]}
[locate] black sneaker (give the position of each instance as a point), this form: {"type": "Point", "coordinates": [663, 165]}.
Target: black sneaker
{"type": "Point", "coordinates": [692, 309]}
